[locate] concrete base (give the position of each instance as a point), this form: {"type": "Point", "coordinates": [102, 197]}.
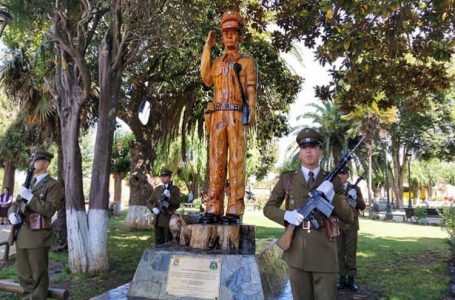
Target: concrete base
{"type": "Point", "coordinates": [257, 276]}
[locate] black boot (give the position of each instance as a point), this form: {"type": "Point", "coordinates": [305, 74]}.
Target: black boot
{"type": "Point", "coordinates": [230, 219]}
{"type": "Point", "coordinates": [209, 218]}
{"type": "Point", "coordinates": [352, 285]}
{"type": "Point", "coordinates": [342, 282]}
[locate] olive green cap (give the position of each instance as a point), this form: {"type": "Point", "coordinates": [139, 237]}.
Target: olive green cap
{"type": "Point", "coordinates": [165, 172]}
{"type": "Point", "coordinates": [308, 136]}
{"type": "Point", "coordinates": [41, 154]}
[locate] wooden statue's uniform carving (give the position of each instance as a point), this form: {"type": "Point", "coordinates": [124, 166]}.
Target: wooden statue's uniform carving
{"type": "Point", "coordinates": [227, 133]}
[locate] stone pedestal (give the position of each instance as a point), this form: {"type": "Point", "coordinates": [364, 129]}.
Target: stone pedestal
{"type": "Point", "coordinates": [262, 275]}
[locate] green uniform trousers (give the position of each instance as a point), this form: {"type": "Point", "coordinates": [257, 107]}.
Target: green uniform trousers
{"type": "Point", "coordinates": [313, 285]}
{"type": "Point", "coordinates": [162, 235]}
{"type": "Point", "coordinates": [32, 269]}
{"type": "Point", "coordinates": [347, 252]}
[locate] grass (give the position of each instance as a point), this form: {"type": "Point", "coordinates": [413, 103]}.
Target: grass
{"type": "Point", "coordinates": [124, 250]}
{"type": "Point", "coordinates": [396, 260]}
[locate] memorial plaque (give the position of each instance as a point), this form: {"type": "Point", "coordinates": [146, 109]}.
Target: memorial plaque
{"type": "Point", "coordinates": [194, 277]}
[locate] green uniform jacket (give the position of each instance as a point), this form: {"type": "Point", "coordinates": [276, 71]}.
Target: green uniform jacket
{"type": "Point", "coordinates": [48, 195]}
{"type": "Point", "coordinates": [174, 204]}
{"type": "Point", "coordinates": [314, 251]}
{"type": "Point", "coordinates": [360, 206]}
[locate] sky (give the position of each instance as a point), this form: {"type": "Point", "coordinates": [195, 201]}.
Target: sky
{"type": "Point", "coordinates": [313, 74]}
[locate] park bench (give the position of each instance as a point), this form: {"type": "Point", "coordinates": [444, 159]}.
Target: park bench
{"type": "Point", "coordinates": [187, 205]}
{"type": "Point", "coordinates": [431, 212]}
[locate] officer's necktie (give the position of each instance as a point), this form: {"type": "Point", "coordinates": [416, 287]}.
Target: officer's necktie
{"type": "Point", "coordinates": [310, 177]}
{"type": "Point", "coordinates": [33, 182]}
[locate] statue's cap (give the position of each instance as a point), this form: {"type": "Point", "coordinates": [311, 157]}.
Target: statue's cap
{"type": "Point", "coordinates": [231, 19]}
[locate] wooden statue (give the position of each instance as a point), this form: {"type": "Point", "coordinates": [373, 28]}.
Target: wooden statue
{"type": "Point", "coordinates": [234, 78]}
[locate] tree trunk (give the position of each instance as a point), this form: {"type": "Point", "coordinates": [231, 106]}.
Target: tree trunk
{"type": "Point", "coordinates": [99, 187]}
{"type": "Point", "coordinates": [76, 217]}
{"type": "Point", "coordinates": [139, 216]}
{"type": "Point", "coordinates": [9, 175]}
{"type": "Point", "coordinates": [61, 228]}
{"type": "Point", "coordinates": [397, 178]}
{"type": "Point", "coordinates": [118, 177]}
{"type": "Point", "coordinates": [369, 181]}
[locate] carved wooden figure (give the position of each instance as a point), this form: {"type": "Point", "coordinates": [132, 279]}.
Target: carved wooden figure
{"type": "Point", "coordinates": [234, 78]}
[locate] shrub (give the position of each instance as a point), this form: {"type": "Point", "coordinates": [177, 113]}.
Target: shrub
{"type": "Point", "coordinates": [448, 221]}
{"type": "Point", "coordinates": [420, 213]}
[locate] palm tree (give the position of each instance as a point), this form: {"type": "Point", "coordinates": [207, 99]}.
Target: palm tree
{"type": "Point", "coordinates": [369, 119]}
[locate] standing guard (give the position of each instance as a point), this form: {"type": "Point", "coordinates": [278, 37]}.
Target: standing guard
{"type": "Point", "coordinates": [347, 240]}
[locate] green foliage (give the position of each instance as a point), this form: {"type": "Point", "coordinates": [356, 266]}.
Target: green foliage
{"type": "Point", "coordinates": [390, 50]}
{"type": "Point", "coordinates": [420, 213]}
{"type": "Point", "coordinates": [448, 221]}
{"type": "Point", "coordinates": [121, 152]}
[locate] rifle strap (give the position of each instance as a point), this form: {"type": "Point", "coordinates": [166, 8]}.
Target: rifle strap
{"type": "Point", "coordinates": [288, 190]}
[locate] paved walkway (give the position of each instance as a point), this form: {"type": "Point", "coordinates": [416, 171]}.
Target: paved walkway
{"type": "Point", "coordinates": [400, 216]}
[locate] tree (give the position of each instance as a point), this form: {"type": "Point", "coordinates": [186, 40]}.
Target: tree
{"type": "Point", "coordinates": [391, 53]}
{"type": "Point", "coordinates": [120, 163]}
{"type": "Point", "coordinates": [73, 27]}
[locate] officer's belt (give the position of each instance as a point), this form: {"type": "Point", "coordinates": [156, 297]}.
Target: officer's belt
{"type": "Point", "coordinates": [306, 224]}
{"type": "Point", "coordinates": [228, 106]}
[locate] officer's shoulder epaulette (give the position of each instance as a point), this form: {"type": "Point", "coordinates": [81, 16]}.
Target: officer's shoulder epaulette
{"type": "Point", "coordinates": [288, 173]}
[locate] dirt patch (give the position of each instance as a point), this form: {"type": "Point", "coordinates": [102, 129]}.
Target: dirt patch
{"type": "Point", "coordinates": [364, 293]}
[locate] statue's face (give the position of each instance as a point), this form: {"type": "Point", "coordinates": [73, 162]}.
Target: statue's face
{"type": "Point", "coordinates": [231, 38]}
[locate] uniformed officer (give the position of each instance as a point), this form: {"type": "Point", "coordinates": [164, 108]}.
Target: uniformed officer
{"type": "Point", "coordinates": [226, 128]}
{"type": "Point", "coordinates": [312, 257]}
{"type": "Point", "coordinates": [37, 205]}
{"type": "Point", "coordinates": [165, 200]}
{"type": "Point", "coordinates": [347, 241]}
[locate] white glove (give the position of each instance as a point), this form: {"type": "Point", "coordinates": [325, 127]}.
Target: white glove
{"type": "Point", "coordinates": [14, 218]}
{"type": "Point", "coordinates": [26, 194]}
{"type": "Point", "coordinates": [155, 210]}
{"type": "Point", "coordinates": [167, 193]}
{"type": "Point", "coordinates": [293, 217]}
{"type": "Point", "coordinates": [353, 194]}
{"type": "Point", "coordinates": [326, 188]}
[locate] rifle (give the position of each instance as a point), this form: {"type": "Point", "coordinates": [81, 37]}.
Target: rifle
{"type": "Point", "coordinates": [163, 204]}
{"type": "Point", "coordinates": [316, 202]}
{"type": "Point", "coordinates": [245, 109]}
{"type": "Point", "coordinates": [352, 202]}
{"type": "Point", "coordinates": [12, 237]}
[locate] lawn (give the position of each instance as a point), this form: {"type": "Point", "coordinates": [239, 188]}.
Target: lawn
{"type": "Point", "coordinates": [395, 260]}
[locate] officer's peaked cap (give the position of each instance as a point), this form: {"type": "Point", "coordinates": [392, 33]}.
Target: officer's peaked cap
{"type": "Point", "coordinates": [41, 154]}
{"type": "Point", "coordinates": [308, 136]}
{"type": "Point", "coordinates": [165, 172]}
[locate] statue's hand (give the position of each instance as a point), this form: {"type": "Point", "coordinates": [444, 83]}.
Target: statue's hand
{"type": "Point", "coordinates": [252, 120]}
{"type": "Point", "coordinates": [211, 39]}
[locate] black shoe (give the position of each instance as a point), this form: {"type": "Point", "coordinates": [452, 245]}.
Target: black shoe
{"type": "Point", "coordinates": [231, 220]}
{"type": "Point", "coordinates": [342, 282]}
{"type": "Point", "coordinates": [209, 219]}
{"type": "Point", "coordinates": [352, 285]}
